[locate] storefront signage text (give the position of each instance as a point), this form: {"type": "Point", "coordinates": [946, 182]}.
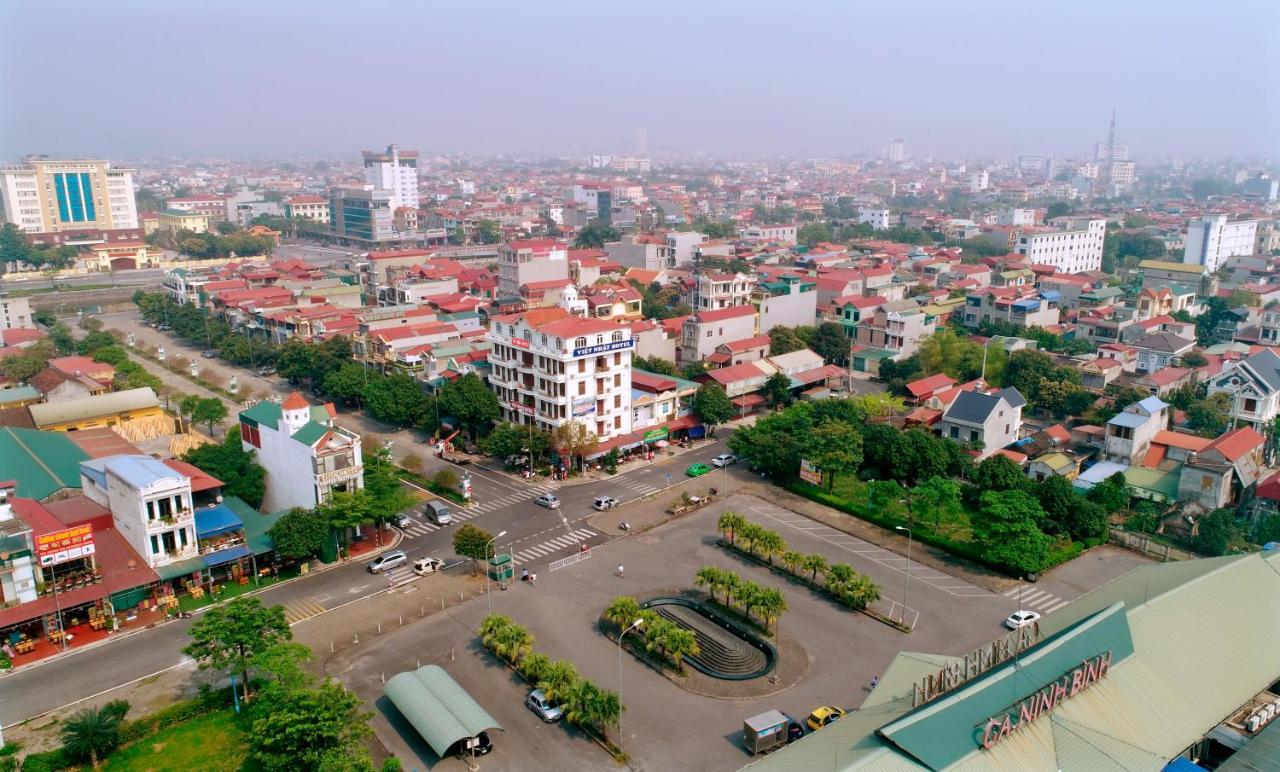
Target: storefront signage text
{"type": "Point", "coordinates": [974, 664]}
{"type": "Point", "coordinates": [520, 343]}
{"type": "Point", "coordinates": [810, 473]}
{"type": "Point", "coordinates": [523, 408]}
{"type": "Point", "coordinates": [64, 545]}
{"type": "Point", "coordinates": [656, 434]}
{"type": "Point", "coordinates": [1043, 702]}
{"type": "Point", "coordinates": [603, 347]}
{"type": "Point", "coordinates": [337, 475]}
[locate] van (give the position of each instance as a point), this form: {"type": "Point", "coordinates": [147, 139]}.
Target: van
{"type": "Point", "coordinates": [439, 512]}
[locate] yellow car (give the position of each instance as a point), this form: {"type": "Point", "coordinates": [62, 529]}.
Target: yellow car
{"type": "Point", "coordinates": [824, 716]}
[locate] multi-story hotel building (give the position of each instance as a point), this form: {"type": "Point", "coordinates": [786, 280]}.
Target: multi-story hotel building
{"type": "Point", "coordinates": [305, 453]}
{"type": "Point", "coordinates": [395, 170]}
{"type": "Point", "coordinates": [43, 196]}
{"type": "Point", "coordinates": [550, 368]}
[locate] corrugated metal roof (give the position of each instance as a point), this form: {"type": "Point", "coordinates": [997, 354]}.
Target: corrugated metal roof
{"type": "Point", "coordinates": [93, 407]}
{"type": "Point", "coordinates": [42, 463]}
{"type": "Point", "coordinates": [440, 709]}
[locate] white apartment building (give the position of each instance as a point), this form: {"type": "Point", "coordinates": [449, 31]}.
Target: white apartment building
{"type": "Point", "coordinates": [895, 151]}
{"type": "Point", "coordinates": [1074, 248]}
{"type": "Point", "coordinates": [642, 250]}
{"type": "Point", "coordinates": [150, 504]}
{"type": "Point", "coordinates": [528, 260]}
{"type": "Point", "coordinates": [15, 312]}
{"type": "Point", "coordinates": [306, 455]}
{"type": "Point", "coordinates": [550, 368]}
{"type": "Point", "coordinates": [783, 234]}
{"type": "Point", "coordinates": [1211, 240]}
{"type": "Point", "coordinates": [721, 290]}
{"type": "Point", "coordinates": [395, 170]}
{"type": "Point", "coordinates": [876, 218]}
{"type": "Point", "coordinates": [43, 196]}
{"type": "Point", "coordinates": [1016, 217]}
{"type": "Point", "coordinates": [682, 244]}
{"type": "Point", "coordinates": [308, 208]}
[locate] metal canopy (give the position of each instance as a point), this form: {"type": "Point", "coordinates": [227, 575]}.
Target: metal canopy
{"type": "Point", "coordinates": [440, 709]}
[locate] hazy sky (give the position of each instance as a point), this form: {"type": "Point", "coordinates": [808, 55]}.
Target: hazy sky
{"type": "Point", "coordinates": [313, 77]}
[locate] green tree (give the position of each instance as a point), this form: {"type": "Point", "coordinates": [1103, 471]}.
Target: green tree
{"type": "Point", "coordinates": [770, 545]}
{"type": "Point", "coordinates": [815, 564]}
{"type": "Point", "coordinates": [1057, 209]}
{"type": "Point", "coordinates": [591, 707]}
{"type": "Point", "coordinates": [228, 462]}
{"type": "Point", "coordinates": [792, 560]}
{"type": "Point", "coordinates": [471, 541]}
{"type": "Point", "coordinates": [1210, 417]}
{"type": "Point", "coordinates": [783, 340]}
{"type": "Point", "coordinates": [557, 679]}
{"type": "Point", "coordinates": [345, 510]}
{"type": "Point", "coordinates": [512, 643]}
{"type": "Point", "coordinates": [771, 604]}
{"type": "Point", "coordinates": [396, 399]}
{"type": "Point", "coordinates": [14, 246]}
{"type": "Point", "coordinates": [730, 524]}
{"type": "Point", "coordinates": [300, 533]}
{"type": "Point", "coordinates": [229, 636]}
{"type": "Point", "coordinates": [999, 473]}
{"type": "Point", "coordinates": [656, 364]}
{"type": "Point", "coordinates": [488, 231]}
{"type": "Point", "coordinates": [777, 390]}
{"type": "Point", "coordinates": [346, 384]}
{"type": "Point", "coordinates": [470, 401]}
{"type": "Point", "coordinates": [92, 733]}
{"type": "Point", "coordinates": [534, 665]}
{"type": "Point", "coordinates": [831, 343]}
{"type": "Point", "coordinates": [594, 235]}
{"type": "Point", "coordinates": [712, 405]}
{"type": "Point", "coordinates": [1112, 494]}
{"type": "Point", "coordinates": [936, 498]}
{"type": "Point", "coordinates": [836, 448]}
{"type": "Point", "coordinates": [1026, 370]}
{"type": "Point", "coordinates": [311, 729]}
{"type": "Point", "coordinates": [1007, 529]}
{"type": "Point", "coordinates": [1214, 532]}
{"type": "Point", "coordinates": [30, 361]}
{"type": "Point", "coordinates": [508, 440]}
{"type": "Point", "coordinates": [814, 233]}
{"type": "Point", "coordinates": [284, 664]}
{"type": "Point", "coordinates": [294, 360]}
{"type": "Point", "coordinates": [387, 495]}
{"type": "Point", "coordinates": [209, 411]}
{"type": "Point", "coordinates": [622, 611]}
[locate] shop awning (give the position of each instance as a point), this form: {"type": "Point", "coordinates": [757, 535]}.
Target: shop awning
{"type": "Point", "coordinates": [623, 442]}
{"type": "Point", "coordinates": [215, 520]}
{"type": "Point", "coordinates": [441, 710]}
{"type": "Point", "coordinates": [226, 556]}
{"type": "Point", "coordinates": [748, 400]}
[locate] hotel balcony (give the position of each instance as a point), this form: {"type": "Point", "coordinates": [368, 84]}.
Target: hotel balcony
{"type": "Point", "coordinates": [166, 522]}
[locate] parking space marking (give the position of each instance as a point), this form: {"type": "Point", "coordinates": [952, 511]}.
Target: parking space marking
{"type": "Point", "coordinates": [887, 558]}
{"type": "Point", "coordinates": [299, 610]}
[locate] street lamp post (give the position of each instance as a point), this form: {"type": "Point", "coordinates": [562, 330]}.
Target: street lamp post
{"type": "Point", "coordinates": [487, 596]}
{"type": "Point", "coordinates": [633, 626]}
{"type": "Point", "coordinates": [906, 575]}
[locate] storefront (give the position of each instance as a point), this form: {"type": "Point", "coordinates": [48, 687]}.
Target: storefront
{"type": "Point", "coordinates": [1171, 664]}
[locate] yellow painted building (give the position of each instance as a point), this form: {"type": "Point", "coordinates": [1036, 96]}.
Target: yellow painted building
{"type": "Point", "coordinates": [123, 255]}
{"type": "Point", "coordinates": [97, 411]}
{"type": "Point", "coordinates": [44, 195]}
{"type": "Point", "coordinates": [174, 220]}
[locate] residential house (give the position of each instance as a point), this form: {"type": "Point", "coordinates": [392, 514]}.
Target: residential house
{"type": "Point", "coordinates": [1055, 464]}
{"type": "Point", "coordinates": [657, 398]}
{"type": "Point", "coordinates": [705, 330]}
{"type": "Point", "coordinates": [920, 391]}
{"type": "Point", "coordinates": [788, 301]}
{"type": "Point", "coordinates": [1253, 384]}
{"type": "Point", "coordinates": [1023, 308]}
{"type": "Point", "coordinates": [1223, 471]}
{"type": "Point", "coordinates": [305, 453]}
{"type": "Point", "coordinates": [740, 352]}
{"type": "Point", "coordinates": [1159, 350]}
{"type": "Point", "coordinates": [1096, 374]}
{"type": "Point", "coordinates": [1130, 432]}
{"type": "Point", "coordinates": [150, 504]}
{"type": "Point", "coordinates": [1164, 300]}
{"type": "Point", "coordinates": [1163, 381]}
{"type": "Point", "coordinates": [989, 421]}
{"type": "Point", "coordinates": [896, 327]}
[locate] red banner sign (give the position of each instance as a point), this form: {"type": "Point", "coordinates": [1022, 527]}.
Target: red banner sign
{"type": "Point", "coordinates": [64, 545]}
{"type": "Point", "coordinates": [520, 343]}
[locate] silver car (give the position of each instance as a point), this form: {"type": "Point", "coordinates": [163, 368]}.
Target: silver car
{"type": "Point", "coordinates": [540, 705]}
{"type": "Point", "coordinates": [548, 500]}
{"type": "Point", "coordinates": [387, 561]}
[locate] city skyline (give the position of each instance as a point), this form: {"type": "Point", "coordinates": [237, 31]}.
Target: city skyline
{"type": "Point", "coordinates": [821, 80]}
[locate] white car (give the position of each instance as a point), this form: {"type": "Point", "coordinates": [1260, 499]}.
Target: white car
{"type": "Point", "coordinates": [424, 566]}
{"type": "Point", "coordinates": [604, 502]}
{"type": "Point", "coordinates": [1019, 619]}
{"type": "Point", "coordinates": [723, 460]}
{"type": "Point", "coordinates": [548, 500]}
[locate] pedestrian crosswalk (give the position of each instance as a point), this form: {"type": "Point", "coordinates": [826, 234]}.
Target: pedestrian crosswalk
{"type": "Point", "coordinates": [298, 610]}
{"type": "Point", "coordinates": [639, 486]}
{"type": "Point", "coordinates": [1032, 598]}
{"type": "Point", "coordinates": [546, 549]}
{"type": "Point", "coordinates": [421, 526]}
{"type": "Point", "coordinates": [398, 575]}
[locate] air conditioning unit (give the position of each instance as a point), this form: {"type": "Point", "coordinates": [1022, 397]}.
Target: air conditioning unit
{"type": "Point", "coordinates": [1253, 723]}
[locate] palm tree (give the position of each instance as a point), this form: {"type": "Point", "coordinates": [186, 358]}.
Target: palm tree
{"type": "Point", "coordinates": [491, 626]}
{"type": "Point", "coordinates": [577, 700]}
{"type": "Point", "coordinates": [534, 665]}
{"type": "Point", "coordinates": [840, 573]}
{"type": "Point", "coordinates": [607, 710]}
{"type": "Point", "coordinates": [656, 633]}
{"type": "Point", "coordinates": [793, 561]}
{"type": "Point", "coordinates": [711, 577]}
{"type": "Point", "coordinates": [813, 564]}
{"type": "Point", "coordinates": [91, 733]}
{"type": "Point", "coordinates": [745, 595]}
{"type": "Point", "coordinates": [512, 643]}
{"type": "Point", "coordinates": [730, 523]}
{"type": "Point", "coordinates": [772, 604]}
{"type": "Point", "coordinates": [771, 544]}
{"type": "Point", "coordinates": [861, 592]}
{"type": "Point", "coordinates": [557, 679]}
{"type": "Point", "coordinates": [679, 643]}
{"type": "Point", "coordinates": [589, 706]}
{"type": "Point", "coordinates": [750, 533]}
{"type": "Point", "coordinates": [622, 611]}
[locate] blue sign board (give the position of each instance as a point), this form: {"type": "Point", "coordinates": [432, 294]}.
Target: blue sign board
{"type": "Point", "coordinates": [602, 348]}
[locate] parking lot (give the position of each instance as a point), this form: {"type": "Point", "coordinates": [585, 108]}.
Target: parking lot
{"type": "Point", "coordinates": [664, 726]}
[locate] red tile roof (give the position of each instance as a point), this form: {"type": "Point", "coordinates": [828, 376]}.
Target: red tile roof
{"type": "Point", "coordinates": [743, 372]}
{"type": "Point", "coordinates": [930, 385]}
{"type": "Point", "coordinates": [1236, 443]}
{"type": "Point", "coordinates": [720, 314]}
{"type": "Point", "coordinates": [1180, 440]}
{"type": "Point", "coordinates": [295, 401]}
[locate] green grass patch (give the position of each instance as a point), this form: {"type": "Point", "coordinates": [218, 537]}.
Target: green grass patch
{"type": "Point", "coordinates": [214, 742]}
{"type": "Point", "coordinates": [229, 590]}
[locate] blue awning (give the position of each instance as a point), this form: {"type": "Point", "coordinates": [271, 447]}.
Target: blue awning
{"type": "Point", "coordinates": [1053, 295]}
{"type": "Point", "coordinates": [227, 555]}
{"type": "Point", "coordinates": [216, 520]}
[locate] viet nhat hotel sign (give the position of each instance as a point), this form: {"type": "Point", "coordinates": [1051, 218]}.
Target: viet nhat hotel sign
{"type": "Point", "coordinates": [604, 348]}
{"type": "Point", "coordinates": [67, 544]}
{"type": "Point", "coordinates": [338, 475]}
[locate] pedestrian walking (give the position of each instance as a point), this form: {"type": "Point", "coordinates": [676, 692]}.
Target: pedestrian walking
{"type": "Point", "coordinates": [619, 569]}
{"type": "Point", "coordinates": [533, 579]}
{"type": "Point", "coordinates": [875, 680]}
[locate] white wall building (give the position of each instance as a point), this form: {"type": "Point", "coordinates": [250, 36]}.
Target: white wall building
{"type": "Point", "coordinates": [395, 170]}
{"type": "Point", "coordinates": [551, 368]}
{"type": "Point", "coordinates": [530, 260]}
{"type": "Point", "coordinates": [1211, 240]}
{"type": "Point", "coordinates": [43, 195]}
{"type": "Point", "coordinates": [895, 151]}
{"type": "Point", "coordinates": [1016, 217]}
{"type": "Point", "coordinates": [876, 218]}
{"type": "Point", "coordinates": [150, 504]}
{"type": "Point", "coordinates": [15, 312]}
{"type": "Point", "coordinates": [1074, 248]}
{"type": "Point", "coordinates": [305, 453]}
{"type": "Point", "coordinates": [682, 244]}
{"type": "Point", "coordinates": [17, 571]}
